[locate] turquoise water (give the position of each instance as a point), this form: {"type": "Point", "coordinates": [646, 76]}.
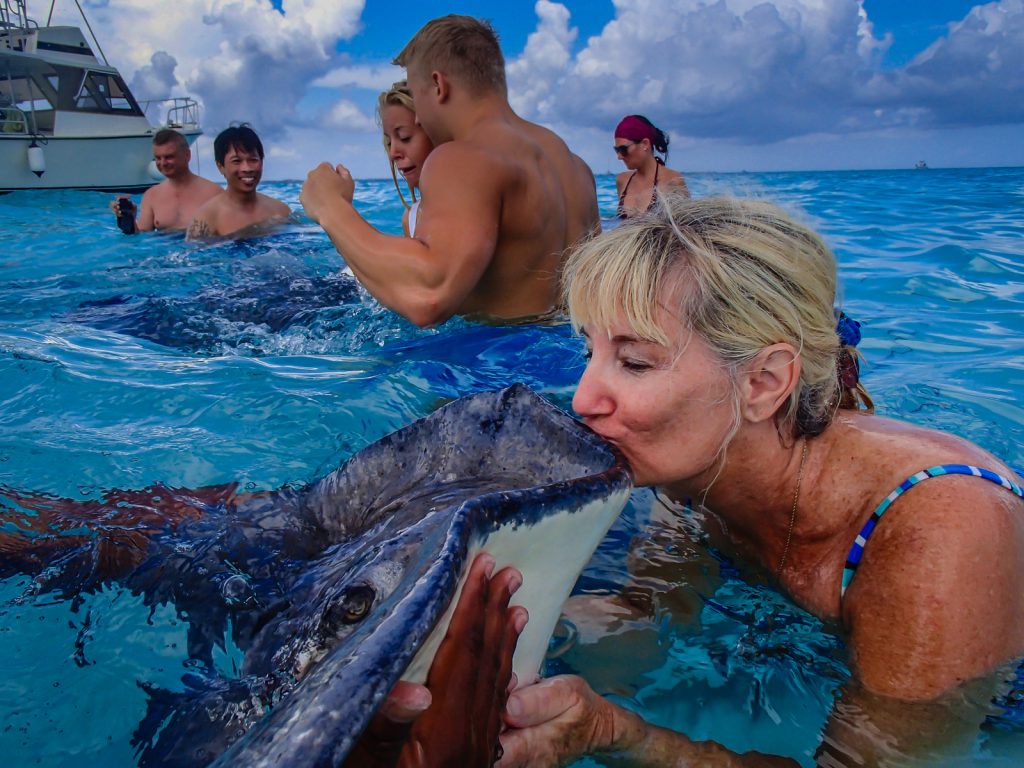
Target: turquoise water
{"type": "Point", "coordinates": [130, 361]}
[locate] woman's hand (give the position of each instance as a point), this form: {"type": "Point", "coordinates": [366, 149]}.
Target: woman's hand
{"type": "Point", "coordinates": [323, 187]}
{"type": "Point", "coordinates": [555, 721]}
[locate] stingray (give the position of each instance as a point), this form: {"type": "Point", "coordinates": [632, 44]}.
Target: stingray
{"type": "Point", "coordinates": [338, 589]}
{"type": "Point", "coordinates": [199, 321]}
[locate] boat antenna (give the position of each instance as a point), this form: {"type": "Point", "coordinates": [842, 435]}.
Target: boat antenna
{"type": "Point", "coordinates": [94, 38]}
{"type": "Point", "coordinates": [49, 18]}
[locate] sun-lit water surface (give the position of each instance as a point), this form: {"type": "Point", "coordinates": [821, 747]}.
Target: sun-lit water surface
{"type": "Point", "coordinates": [130, 361]}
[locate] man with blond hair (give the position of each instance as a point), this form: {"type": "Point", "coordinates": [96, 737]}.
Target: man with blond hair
{"type": "Point", "coordinates": [502, 198]}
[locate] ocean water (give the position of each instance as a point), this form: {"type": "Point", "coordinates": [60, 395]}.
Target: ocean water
{"type": "Point", "coordinates": [126, 362]}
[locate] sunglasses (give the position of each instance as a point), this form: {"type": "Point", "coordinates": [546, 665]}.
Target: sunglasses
{"type": "Point", "coordinates": [623, 149]}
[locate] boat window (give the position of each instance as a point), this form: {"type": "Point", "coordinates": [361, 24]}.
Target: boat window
{"type": "Point", "coordinates": [24, 93]}
{"type": "Point", "coordinates": [102, 92]}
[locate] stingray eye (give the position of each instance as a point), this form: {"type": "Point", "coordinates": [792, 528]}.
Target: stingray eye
{"type": "Point", "coordinates": [353, 606]}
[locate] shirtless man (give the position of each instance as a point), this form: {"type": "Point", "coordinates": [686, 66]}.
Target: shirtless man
{"type": "Point", "coordinates": [173, 202]}
{"type": "Point", "coordinates": [502, 198]}
{"type": "Point", "coordinates": [238, 152]}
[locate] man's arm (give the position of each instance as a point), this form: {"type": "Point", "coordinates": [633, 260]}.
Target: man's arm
{"type": "Point", "coordinates": [427, 278]}
{"type": "Point", "coordinates": [201, 227]}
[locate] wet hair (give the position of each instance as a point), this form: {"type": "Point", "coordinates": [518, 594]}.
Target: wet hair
{"type": "Point", "coordinates": [239, 137]}
{"type": "Point", "coordinates": [397, 95]}
{"type": "Point", "coordinates": [170, 136]}
{"type": "Point", "coordinates": [464, 48]}
{"type": "Point", "coordinates": [742, 275]}
{"type": "Point", "coordinates": [654, 134]}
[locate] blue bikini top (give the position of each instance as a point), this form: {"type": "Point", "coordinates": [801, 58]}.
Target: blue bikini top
{"type": "Point", "coordinates": [857, 550]}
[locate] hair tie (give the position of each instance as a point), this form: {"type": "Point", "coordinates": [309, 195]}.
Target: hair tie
{"type": "Point", "coordinates": [847, 367]}
{"type": "Point", "coordinates": [848, 329]}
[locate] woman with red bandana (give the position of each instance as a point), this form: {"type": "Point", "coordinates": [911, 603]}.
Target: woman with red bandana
{"type": "Point", "coordinates": [636, 141]}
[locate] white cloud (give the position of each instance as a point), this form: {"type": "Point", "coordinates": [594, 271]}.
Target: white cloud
{"type": "Point", "coordinates": [372, 77]}
{"type": "Point", "coordinates": [534, 76]}
{"type": "Point", "coordinates": [727, 73]}
{"type": "Point", "coordinates": [974, 74]}
{"type": "Point", "coordinates": [243, 59]}
{"type": "Point", "coordinates": [733, 68]}
{"type": "Point", "coordinates": [155, 80]}
{"type": "Point", "coordinates": [756, 71]}
{"type": "Point", "coordinates": [346, 115]}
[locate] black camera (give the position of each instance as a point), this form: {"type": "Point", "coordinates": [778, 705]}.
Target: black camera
{"type": "Point", "coordinates": [126, 216]}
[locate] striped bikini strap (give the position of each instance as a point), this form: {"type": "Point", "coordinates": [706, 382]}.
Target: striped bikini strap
{"type": "Point", "coordinates": [857, 550]}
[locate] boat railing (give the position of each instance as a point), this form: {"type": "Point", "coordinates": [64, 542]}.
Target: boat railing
{"type": "Point", "coordinates": [14, 15]}
{"type": "Point", "coordinates": [180, 112]}
{"type": "Point", "coordinates": [13, 120]}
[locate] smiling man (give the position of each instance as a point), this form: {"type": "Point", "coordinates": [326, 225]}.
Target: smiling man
{"type": "Point", "coordinates": [171, 204]}
{"type": "Point", "coordinates": [239, 209]}
{"type": "Point", "coordinates": [502, 198]}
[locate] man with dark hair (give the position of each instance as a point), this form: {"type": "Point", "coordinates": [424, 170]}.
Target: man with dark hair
{"type": "Point", "coordinates": [173, 202]}
{"type": "Point", "coordinates": [502, 198]}
{"type": "Point", "coordinates": [238, 152]}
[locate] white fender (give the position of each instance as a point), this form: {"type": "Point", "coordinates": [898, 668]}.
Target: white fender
{"type": "Point", "coordinates": [36, 159]}
{"type": "Point", "coordinates": [153, 172]}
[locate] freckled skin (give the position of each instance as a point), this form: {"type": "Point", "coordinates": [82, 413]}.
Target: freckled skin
{"type": "Point", "coordinates": [936, 600]}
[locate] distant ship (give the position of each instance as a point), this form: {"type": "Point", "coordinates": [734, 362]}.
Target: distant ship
{"type": "Point", "coordinates": [67, 118]}
{"type": "Point", "coordinates": [921, 165]}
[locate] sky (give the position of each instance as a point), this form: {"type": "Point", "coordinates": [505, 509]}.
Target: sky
{"type": "Point", "coordinates": [757, 85]}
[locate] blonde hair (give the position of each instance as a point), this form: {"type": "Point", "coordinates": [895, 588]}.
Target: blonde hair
{"type": "Point", "coordinates": [462, 47]}
{"type": "Point", "coordinates": [744, 276]}
{"type": "Point", "coordinates": [398, 95]}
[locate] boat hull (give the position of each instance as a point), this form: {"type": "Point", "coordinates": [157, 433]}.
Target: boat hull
{"type": "Point", "coordinates": [103, 163]}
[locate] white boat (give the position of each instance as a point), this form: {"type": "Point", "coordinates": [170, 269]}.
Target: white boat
{"type": "Point", "coordinates": [67, 118]}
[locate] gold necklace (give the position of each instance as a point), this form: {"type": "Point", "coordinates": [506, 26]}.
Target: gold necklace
{"type": "Point", "coordinates": [792, 513]}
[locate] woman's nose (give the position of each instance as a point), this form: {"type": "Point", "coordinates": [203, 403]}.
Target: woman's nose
{"type": "Point", "coordinates": [592, 397]}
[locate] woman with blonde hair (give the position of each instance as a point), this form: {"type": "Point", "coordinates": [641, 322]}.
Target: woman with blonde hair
{"type": "Point", "coordinates": [407, 146]}
{"type": "Point", "coordinates": [716, 365]}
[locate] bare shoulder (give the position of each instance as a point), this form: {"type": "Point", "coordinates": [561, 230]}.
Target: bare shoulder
{"type": "Point", "coordinates": [206, 188]}
{"type": "Point", "coordinates": [936, 599]}
{"type": "Point", "coordinates": [457, 167]}
{"type": "Point", "coordinates": [674, 181]}
{"type": "Point", "coordinates": [553, 144]}
{"type": "Point", "coordinates": [670, 178]}
{"type": "Point", "coordinates": [448, 156]}
{"type": "Point", "coordinates": [621, 179]}
{"type": "Point", "coordinates": [274, 206]}
{"type": "Point", "coordinates": [154, 193]}
{"type": "Point", "coordinates": [208, 210]}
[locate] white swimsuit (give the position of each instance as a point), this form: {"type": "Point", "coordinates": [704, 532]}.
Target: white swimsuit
{"type": "Point", "coordinates": [412, 218]}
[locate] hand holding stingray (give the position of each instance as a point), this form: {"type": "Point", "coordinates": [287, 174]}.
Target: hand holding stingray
{"type": "Point", "coordinates": [336, 590]}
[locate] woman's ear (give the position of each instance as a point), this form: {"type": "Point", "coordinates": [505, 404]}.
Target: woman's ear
{"type": "Point", "coordinates": [768, 381]}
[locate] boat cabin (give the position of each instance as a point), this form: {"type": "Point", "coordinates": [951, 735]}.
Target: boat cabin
{"type": "Point", "coordinates": [51, 74]}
